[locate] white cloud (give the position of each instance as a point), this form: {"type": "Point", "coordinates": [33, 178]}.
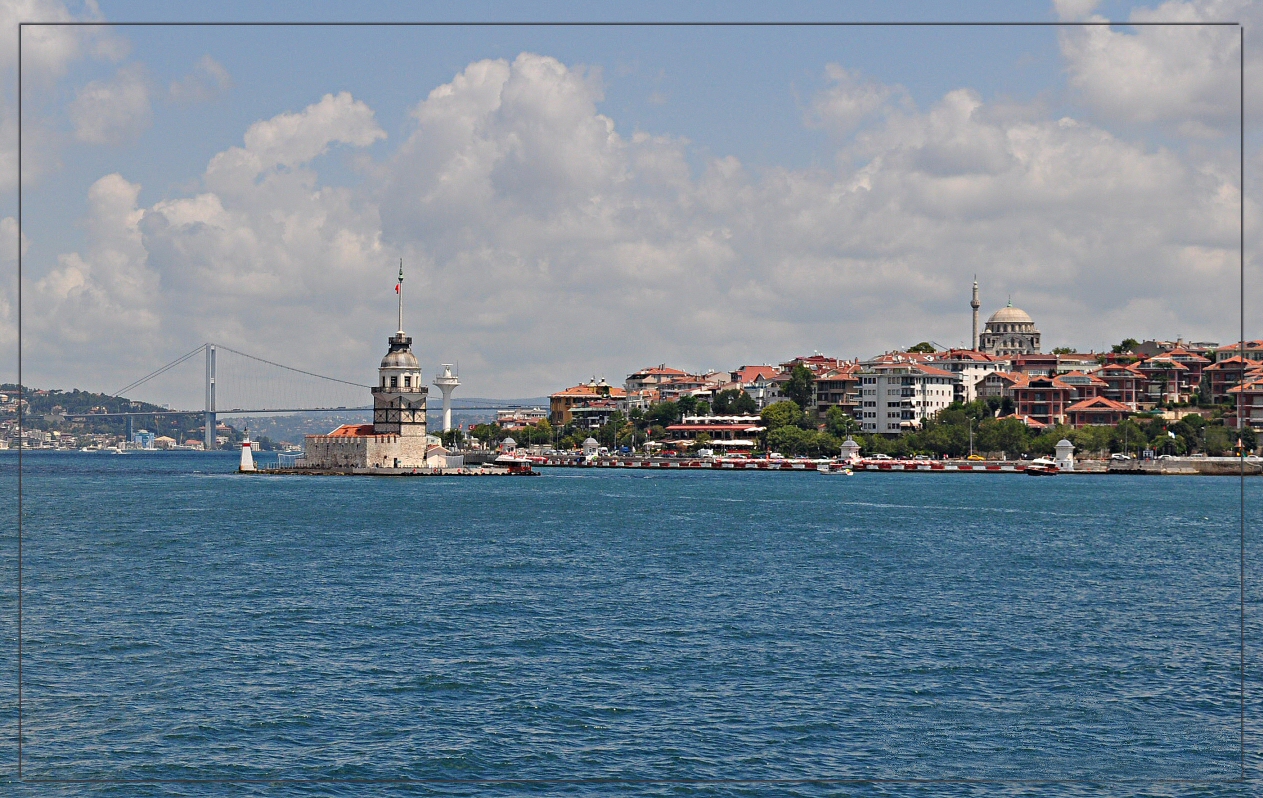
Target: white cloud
{"type": "Point", "coordinates": [113, 111]}
{"type": "Point", "coordinates": [290, 140]}
{"type": "Point", "coordinates": [849, 100]}
{"type": "Point", "coordinates": [207, 81]}
{"type": "Point", "coordinates": [1184, 76]}
{"type": "Point", "coordinates": [542, 246]}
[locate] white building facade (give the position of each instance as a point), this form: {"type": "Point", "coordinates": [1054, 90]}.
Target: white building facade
{"type": "Point", "coordinates": [899, 397]}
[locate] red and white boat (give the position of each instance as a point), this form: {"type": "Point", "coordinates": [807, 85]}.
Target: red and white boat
{"type": "Point", "coordinates": [1042, 467]}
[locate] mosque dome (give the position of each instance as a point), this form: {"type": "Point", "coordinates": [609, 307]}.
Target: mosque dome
{"type": "Point", "coordinates": [400, 359]}
{"type": "Point", "coordinates": [1010, 315]}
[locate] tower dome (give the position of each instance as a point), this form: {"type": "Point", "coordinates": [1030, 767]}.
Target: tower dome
{"type": "Point", "coordinates": [400, 359]}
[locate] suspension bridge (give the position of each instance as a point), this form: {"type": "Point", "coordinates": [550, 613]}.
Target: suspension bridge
{"type": "Point", "coordinates": [237, 383]}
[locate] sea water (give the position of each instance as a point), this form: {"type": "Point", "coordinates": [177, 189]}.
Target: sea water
{"type": "Point", "coordinates": [623, 632]}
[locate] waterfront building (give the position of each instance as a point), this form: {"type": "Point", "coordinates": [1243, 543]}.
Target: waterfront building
{"type": "Point", "coordinates": [969, 366]}
{"type": "Point", "coordinates": [748, 374]}
{"type": "Point", "coordinates": [736, 431]}
{"type": "Point", "coordinates": [1166, 380]}
{"type": "Point", "coordinates": [643, 399]}
{"type": "Point", "coordinates": [838, 388]}
{"type": "Point", "coordinates": [1249, 401]}
{"type": "Point", "coordinates": [765, 389]}
{"type": "Point", "coordinates": [397, 437]}
{"type": "Point", "coordinates": [1083, 386]}
{"type": "Point", "coordinates": [1123, 384]}
{"type": "Point", "coordinates": [518, 418]}
{"type": "Point", "coordinates": [596, 413]}
{"type": "Point", "coordinates": [1010, 331]}
{"type": "Point", "coordinates": [1042, 399]}
{"type": "Point", "coordinates": [1194, 362]}
{"type": "Point", "coordinates": [1253, 351]}
{"type": "Point", "coordinates": [1224, 374]}
{"type": "Point", "coordinates": [561, 405]}
{"type": "Point", "coordinates": [1096, 411]}
{"type": "Point", "coordinates": [999, 384]}
{"type": "Point", "coordinates": [651, 377]}
{"type": "Point", "coordinates": [1077, 361]}
{"type": "Point", "coordinates": [896, 396]}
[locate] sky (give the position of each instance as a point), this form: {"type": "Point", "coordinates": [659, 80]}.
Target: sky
{"type": "Point", "coordinates": [573, 202]}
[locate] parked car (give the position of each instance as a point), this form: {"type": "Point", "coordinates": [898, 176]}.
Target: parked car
{"type": "Point", "coordinates": [880, 457]}
{"type": "Point", "coordinates": [975, 457]}
{"type": "Point", "coordinates": [1121, 456]}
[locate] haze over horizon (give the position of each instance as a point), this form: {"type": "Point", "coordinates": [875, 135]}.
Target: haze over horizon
{"type": "Point", "coordinates": [572, 202]}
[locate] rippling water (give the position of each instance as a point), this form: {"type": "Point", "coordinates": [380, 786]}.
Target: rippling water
{"type": "Point", "coordinates": [185, 622]}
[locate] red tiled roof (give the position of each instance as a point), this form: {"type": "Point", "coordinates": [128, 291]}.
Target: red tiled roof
{"type": "Point", "coordinates": [752, 373]}
{"type": "Point", "coordinates": [352, 431]}
{"type": "Point", "coordinates": [1097, 403]}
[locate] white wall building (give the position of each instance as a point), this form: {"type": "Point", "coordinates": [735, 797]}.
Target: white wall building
{"type": "Point", "coordinates": [897, 397]}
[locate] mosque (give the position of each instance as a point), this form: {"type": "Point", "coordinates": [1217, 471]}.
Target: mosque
{"type": "Point", "coordinates": [397, 437]}
{"type": "Point", "coordinates": [1009, 331]}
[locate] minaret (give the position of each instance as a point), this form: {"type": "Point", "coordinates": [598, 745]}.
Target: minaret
{"type": "Point", "coordinates": [399, 397]}
{"type": "Point", "coordinates": [975, 304]}
{"type": "Point", "coordinates": [447, 382]}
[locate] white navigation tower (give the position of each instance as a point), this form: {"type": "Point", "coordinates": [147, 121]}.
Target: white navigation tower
{"type": "Point", "coordinates": [447, 382]}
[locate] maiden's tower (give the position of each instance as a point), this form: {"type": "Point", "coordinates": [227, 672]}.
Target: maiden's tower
{"type": "Point", "coordinates": [397, 436]}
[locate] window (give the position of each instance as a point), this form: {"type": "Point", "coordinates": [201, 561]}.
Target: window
{"type": "Point", "coordinates": [407, 381]}
{"type": "Point", "coordinates": [383, 380]}
{"type": "Point", "coordinates": [394, 382]}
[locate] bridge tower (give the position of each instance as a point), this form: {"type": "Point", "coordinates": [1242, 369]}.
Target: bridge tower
{"type": "Point", "coordinates": [209, 440]}
{"type": "Point", "coordinates": [447, 382]}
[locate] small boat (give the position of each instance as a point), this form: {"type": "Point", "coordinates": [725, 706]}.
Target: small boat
{"type": "Point", "coordinates": [835, 469]}
{"type": "Point", "coordinates": [1042, 467]}
{"type": "Point", "coordinates": [514, 464]}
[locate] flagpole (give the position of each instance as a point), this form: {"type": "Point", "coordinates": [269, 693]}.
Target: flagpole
{"type": "Point", "coordinates": [399, 290]}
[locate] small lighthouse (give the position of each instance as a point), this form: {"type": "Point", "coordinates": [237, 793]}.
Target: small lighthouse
{"type": "Point", "coordinates": [247, 456]}
{"type": "Point", "coordinates": [447, 382]}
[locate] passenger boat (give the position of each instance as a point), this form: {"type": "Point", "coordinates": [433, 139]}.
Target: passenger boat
{"type": "Point", "coordinates": [1042, 467]}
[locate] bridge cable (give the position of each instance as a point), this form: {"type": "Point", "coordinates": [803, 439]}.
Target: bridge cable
{"type": "Point", "coordinates": [160, 371]}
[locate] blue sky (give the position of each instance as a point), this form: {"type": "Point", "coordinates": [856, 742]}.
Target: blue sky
{"type": "Point", "coordinates": [749, 193]}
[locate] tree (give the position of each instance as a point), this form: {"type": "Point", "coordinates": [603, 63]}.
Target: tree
{"type": "Point", "coordinates": [663, 414]}
{"type": "Point", "coordinates": [839, 422]}
{"type": "Point", "coordinates": [733, 401]}
{"type": "Point", "coordinates": [1063, 350]}
{"type": "Point", "coordinates": [1008, 435]}
{"type": "Point", "coordinates": [781, 414]}
{"type": "Point", "coordinates": [1126, 346]}
{"type": "Point", "coordinates": [453, 438]}
{"type": "Point", "coordinates": [923, 348]}
{"type": "Point", "coordinates": [800, 389]}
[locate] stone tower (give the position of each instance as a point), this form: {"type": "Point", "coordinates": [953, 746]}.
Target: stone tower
{"type": "Point", "coordinates": [399, 396]}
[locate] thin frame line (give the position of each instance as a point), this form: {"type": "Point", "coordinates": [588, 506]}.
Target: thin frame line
{"type": "Point", "coordinates": [633, 24]}
{"type": "Point", "coordinates": [648, 24]}
{"type": "Point", "coordinates": [1241, 409]}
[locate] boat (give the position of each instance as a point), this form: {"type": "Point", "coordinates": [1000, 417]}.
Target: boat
{"type": "Point", "coordinates": [1042, 467]}
{"type": "Point", "coordinates": [514, 463]}
{"type": "Point", "coordinates": [835, 469]}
